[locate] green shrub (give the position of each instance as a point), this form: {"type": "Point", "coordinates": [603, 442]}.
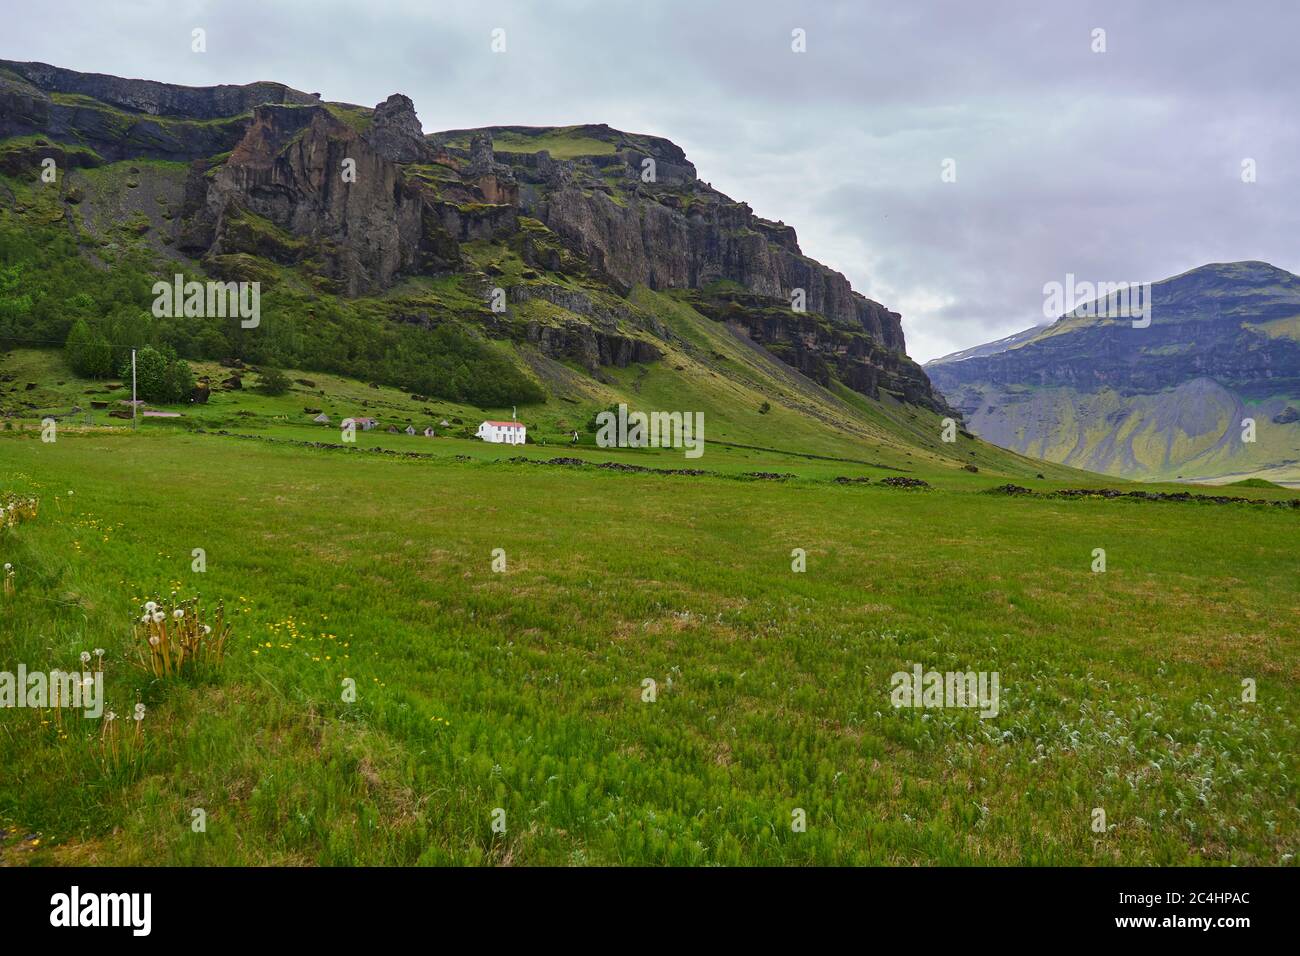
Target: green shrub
{"type": "Point", "coordinates": [273, 382]}
{"type": "Point", "coordinates": [88, 352]}
{"type": "Point", "coordinates": [160, 376]}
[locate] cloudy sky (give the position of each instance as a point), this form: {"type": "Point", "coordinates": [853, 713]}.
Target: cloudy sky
{"type": "Point", "coordinates": [1116, 165]}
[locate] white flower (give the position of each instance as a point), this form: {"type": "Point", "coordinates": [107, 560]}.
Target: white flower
{"type": "Point", "coordinates": [8, 567]}
{"type": "Point", "coordinates": [145, 619]}
{"type": "Point", "coordinates": [69, 494]}
{"type": "Point", "coordinates": [158, 617]}
{"type": "Point", "coordinates": [110, 716]}
{"type": "Point", "coordinates": [154, 640]}
{"type": "Point", "coordinates": [151, 606]}
{"type": "Point", "coordinates": [99, 652]}
{"type": "Point", "coordinates": [85, 657]}
{"type": "Point", "coordinates": [178, 613]}
{"type": "Point", "coordinates": [207, 629]}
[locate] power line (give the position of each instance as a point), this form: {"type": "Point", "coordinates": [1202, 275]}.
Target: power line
{"type": "Point", "coordinates": [12, 338]}
{"type": "Point", "coordinates": [116, 345]}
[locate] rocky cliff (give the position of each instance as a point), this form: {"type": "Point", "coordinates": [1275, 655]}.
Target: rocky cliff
{"type": "Point", "coordinates": [634, 207]}
{"type": "Point", "coordinates": [361, 232]}
{"type": "Point", "coordinates": [360, 200]}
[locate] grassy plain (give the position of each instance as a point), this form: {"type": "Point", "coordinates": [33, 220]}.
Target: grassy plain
{"type": "Point", "coordinates": [523, 690]}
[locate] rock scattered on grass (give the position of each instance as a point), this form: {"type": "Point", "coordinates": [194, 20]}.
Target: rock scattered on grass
{"type": "Point", "coordinates": [1010, 489]}
{"type": "Point", "coordinates": [900, 482]}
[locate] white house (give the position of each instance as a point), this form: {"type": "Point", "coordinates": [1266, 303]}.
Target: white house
{"type": "Point", "coordinates": [507, 433]}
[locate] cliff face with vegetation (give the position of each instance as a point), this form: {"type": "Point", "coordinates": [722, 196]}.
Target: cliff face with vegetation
{"type": "Point", "coordinates": [1163, 401]}
{"type": "Point", "coordinates": [320, 199]}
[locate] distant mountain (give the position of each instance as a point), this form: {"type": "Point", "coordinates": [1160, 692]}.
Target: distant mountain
{"type": "Point", "coordinates": [1165, 401]}
{"type": "Point", "coordinates": [989, 348]}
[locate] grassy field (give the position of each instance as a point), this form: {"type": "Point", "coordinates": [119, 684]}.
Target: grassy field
{"type": "Point", "coordinates": [523, 690]}
{"type": "Point", "coordinates": [804, 419]}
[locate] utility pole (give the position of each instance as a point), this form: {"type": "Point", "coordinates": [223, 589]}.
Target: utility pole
{"type": "Point", "coordinates": [133, 405]}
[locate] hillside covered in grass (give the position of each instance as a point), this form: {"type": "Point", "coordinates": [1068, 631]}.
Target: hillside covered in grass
{"type": "Point", "coordinates": [555, 270]}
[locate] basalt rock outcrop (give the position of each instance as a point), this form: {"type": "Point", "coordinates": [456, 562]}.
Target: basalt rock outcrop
{"type": "Point", "coordinates": [823, 350]}
{"type": "Point", "coordinates": [655, 243]}
{"type": "Point", "coordinates": [302, 184]}
{"type": "Point", "coordinates": [122, 118]}
{"type": "Point", "coordinates": [395, 132]}
{"type": "Point", "coordinates": [601, 338]}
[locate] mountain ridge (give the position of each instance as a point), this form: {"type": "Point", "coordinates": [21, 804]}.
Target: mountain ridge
{"type": "Point", "coordinates": [1167, 401]}
{"type": "Point", "coordinates": [569, 202]}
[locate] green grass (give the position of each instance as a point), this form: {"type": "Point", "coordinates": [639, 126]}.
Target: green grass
{"type": "Point", "coordinates": [1253, 483]}
{"type": "Point", "coordinates": [24, 151]}
{"type": "Point", "coordinates": [358, 118]}
{"type": "Point", "coordinates": [131, 126]}
{"type": "Point", "coordinates": [522, 690]}
{"type": "Point", "coordinates": [1287, 328]}
{"type": "Point", "coordinates": [565, 142]}
{"type": "Point", "coordinates": [713, 372]}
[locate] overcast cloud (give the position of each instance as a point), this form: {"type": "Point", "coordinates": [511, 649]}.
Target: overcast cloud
{"type": "Point", "coordinates": [1113, 166]}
